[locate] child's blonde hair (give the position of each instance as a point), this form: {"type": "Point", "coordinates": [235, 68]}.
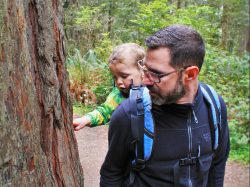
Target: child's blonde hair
{"type": "Point", "coordinates": [123, 51]}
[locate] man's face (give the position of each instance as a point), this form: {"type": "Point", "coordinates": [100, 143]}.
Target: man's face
{"type": "Point", "coordinates": [170, 88]}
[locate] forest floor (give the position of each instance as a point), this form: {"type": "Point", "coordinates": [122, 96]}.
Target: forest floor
{"type": "Point", "coordinates": [93, 144]}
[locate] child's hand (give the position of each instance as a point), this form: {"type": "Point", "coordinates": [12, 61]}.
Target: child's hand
{"type": "Point", "coordinates": [79, 123]}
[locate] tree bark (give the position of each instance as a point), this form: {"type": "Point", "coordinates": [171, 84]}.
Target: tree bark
{"type": "Point", "coordinates": [38, 145]}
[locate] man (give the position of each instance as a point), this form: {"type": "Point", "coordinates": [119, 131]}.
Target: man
{"type": "Point", "coordinates": [173, 61]}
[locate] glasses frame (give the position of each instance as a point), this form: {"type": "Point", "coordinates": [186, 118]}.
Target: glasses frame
{"type": "Point", "coordinates": [159, 76]}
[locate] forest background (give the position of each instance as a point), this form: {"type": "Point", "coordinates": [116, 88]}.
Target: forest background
{"type": "Point", "coordinates": [94, 27]}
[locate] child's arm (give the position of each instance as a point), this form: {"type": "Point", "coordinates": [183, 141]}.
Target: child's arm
{"type": "Point", "coordinates": [102, 113]}
{"type": "Point", "coordinates": [79, 123]}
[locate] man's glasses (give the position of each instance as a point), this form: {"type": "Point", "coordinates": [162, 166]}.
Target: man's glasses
{"type": "Point", "coordinates": [155, 77]}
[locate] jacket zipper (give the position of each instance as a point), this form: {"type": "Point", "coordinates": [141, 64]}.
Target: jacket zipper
{"type": "Point", "coordinates": [190, 147]}
{"type": "Point", "coordinates": [195, 118]}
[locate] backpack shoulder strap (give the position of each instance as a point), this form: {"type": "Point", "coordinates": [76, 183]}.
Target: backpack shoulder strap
{"type": "Point", "coordinates": [137, 125]}
{"type": "Point", "coordinates": [217, 102]}
{"type": "Point", "coordinates": [212, 99]}
{"type": "Point", "coordinates": [142, 125]}
{"type": "Point", "coordinates": [149, 128]}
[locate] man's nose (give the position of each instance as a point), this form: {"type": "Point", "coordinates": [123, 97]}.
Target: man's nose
{"type": "Point", "coordinates": [147, 81]}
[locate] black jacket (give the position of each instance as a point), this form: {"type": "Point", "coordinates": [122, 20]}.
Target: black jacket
{"type": "Point", "coordinates": [181, 132]}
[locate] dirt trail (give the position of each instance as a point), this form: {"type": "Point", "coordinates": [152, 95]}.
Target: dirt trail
{"type": "Point", "coordinates": [92, 145]}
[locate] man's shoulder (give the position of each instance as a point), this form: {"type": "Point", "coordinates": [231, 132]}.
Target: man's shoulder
{"type": "Point", "coordinates": [221, 100]}
{"type": "Point", "coordinates": [122, 112]}
{"type": "Point", "coordinates": [120, 119]}
{"type": "Point", "coordinates": [123, 108]}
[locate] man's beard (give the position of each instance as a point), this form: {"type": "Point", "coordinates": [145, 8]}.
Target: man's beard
{"type": "Point", "coordinates": [171, 97]}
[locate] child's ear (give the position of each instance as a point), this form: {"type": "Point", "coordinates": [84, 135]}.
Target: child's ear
{"type": "Point", "coordinates": [191, 73]}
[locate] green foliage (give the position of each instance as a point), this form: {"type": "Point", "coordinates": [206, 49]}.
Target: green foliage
{"type": "Point", "coordinates": [159, 14]}
{"type": "Point", "coordinates": [151, 17]}
{"type": "Point", "coordinates": [88, 22]}
{"type": "Point", "coordinates": [83, 27]}
{"type": "Point", "coordinates": [122, 27]}
{"type": "Point", "coordinates": [89, 70]}
{"type": "Point", "coordinates": [101, 25]}
{"type": "Point", "coordinates": [240, 149]}
{"type": "Point", "coordinates": [203, 18]}
{"type": "Point", "coordinates": [104, 47]}
{"type": "Point", "coordinates": [81, 67]}
{"type": "Point", "coordinates": [80, 109]}
{"type": "Point", "coordinates": [236, 20]}
{"type": "Point", "coordinates": [229, 75]}
{"type": "Point", "coordinates": [84, 15]}
{"type": "Point", "coordinates": [102, 91]}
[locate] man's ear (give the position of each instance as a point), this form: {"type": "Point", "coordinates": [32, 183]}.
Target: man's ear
{"type": "Point", "coordinates": [191, 73]}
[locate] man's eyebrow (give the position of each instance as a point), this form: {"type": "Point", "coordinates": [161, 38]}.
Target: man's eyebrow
{"type": "Point", "coordinates": [155, 71]}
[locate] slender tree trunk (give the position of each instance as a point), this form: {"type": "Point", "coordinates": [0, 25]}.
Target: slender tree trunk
{"type": "Point", "coordinates": [248, 40]}
{"type": "Point", "coordinates": [243, 41]}
{"type": "Point", "coordinates": [110, 14]}
{"type": "Point", "coordinates": [178, 4]}
{"type": "Point", "coordinates": [224, 27]}
{"type": "Point", "coordinates": [38, 146]}
{"type": "Point", "coordinates": [73, 2]}
{"type": "Point", "coordinates": [70, 2]}
{"type": "Point", "coordinates": [248, 30]}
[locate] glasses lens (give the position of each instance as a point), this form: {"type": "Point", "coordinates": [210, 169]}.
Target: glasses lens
{"type": "Point", "coordinates": [152, 76]}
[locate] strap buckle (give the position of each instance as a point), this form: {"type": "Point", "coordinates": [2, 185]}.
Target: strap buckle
{"type": "Point", "coordinates": [138, 165]}
{"type": "Point", "coordinates": [188, 161]}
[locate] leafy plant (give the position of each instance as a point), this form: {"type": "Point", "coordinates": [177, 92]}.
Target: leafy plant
{"type": "Point", "coordinates": [229, 75]}
{"type": "Point", "coordinates": [158, 14]}
{"type": "Point", "coordinates": [81, 67]}
{"type": "Point", "coordinates": [105, 46]}
{"type": "Point", "coordinates": [89, 70]}
{"type": "Point", "coordinates": [79, 109]}
{"type": "Point", "coordinates": [240, 149]}
{"type": "Point", "coordinates": [83, 27]}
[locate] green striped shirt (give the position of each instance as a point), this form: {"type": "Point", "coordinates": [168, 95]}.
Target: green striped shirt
{"type": "Point", "coordinates": [102, 114]}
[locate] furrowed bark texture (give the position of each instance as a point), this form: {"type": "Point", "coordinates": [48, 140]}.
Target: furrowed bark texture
{"type": "Point", "coordinates": [37, 143]}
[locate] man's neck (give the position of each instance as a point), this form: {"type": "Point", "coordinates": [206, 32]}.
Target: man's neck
{"type": "Point", "coordinates": [191, 91]}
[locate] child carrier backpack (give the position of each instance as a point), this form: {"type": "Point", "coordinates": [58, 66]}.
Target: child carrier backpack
{"type": "Point", "coordinates": [142, 123]}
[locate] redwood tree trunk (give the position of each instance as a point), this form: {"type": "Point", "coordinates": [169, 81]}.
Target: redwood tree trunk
{"type": "Point", "coordinates": [37, 143]}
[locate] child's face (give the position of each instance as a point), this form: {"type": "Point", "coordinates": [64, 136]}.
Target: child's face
{"type": "Point", "coordinates": [123, 73]}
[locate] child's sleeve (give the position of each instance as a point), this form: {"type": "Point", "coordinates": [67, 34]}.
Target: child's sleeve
{"type": "Point", "coordinates": [101, 115]}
